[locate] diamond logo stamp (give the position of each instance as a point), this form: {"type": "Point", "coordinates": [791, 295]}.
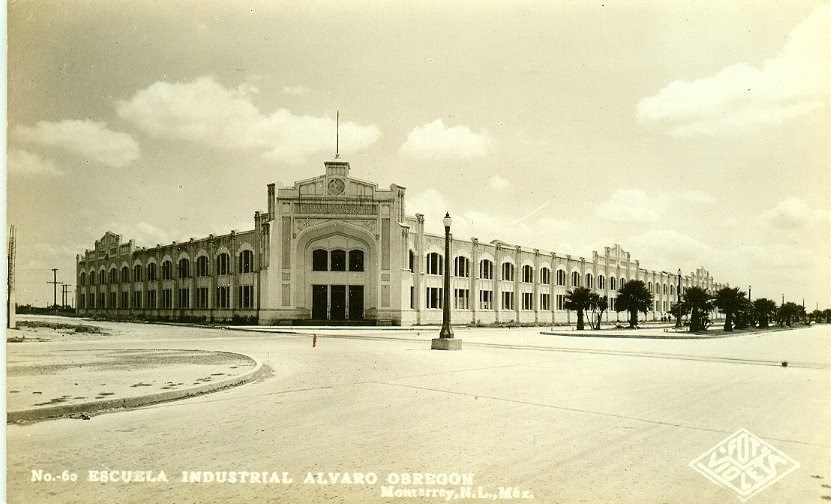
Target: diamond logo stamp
{"type": "Point", "coordinates": [744, 463]}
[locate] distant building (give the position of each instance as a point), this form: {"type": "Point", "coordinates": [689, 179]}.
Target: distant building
{"type": "Point", "coordinates": [334, 249]}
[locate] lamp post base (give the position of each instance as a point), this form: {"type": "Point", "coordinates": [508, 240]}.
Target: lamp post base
{"type": "Point", "coordinates": [446, 344]}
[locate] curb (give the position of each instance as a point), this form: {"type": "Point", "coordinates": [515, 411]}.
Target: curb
{"type": "Point", "coordinates": [64, 410]}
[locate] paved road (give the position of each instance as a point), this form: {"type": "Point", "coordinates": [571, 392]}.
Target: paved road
{"type": "Point", "coordinates": [567, 419]}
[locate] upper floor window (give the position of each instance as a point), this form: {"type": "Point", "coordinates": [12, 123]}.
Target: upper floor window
{"type": "Point", "coordinates": [612, 285]}
{"type": "Point", "coordinates": [435, 263]}
{"type": "Point", "coordinates": [622, 282]}
{"type": "Point", "coordinates": [486, 269]}
{"type": "Point", "coordinates": [575, 278]}
{"type": "Point", "coordinates": [356, 260]}
{"type": "Point", "coordinates": [338, 260]}
{"type": "Point", "coordinates": [102, 277]}
{"type": "Point", "coordinates": [507, 271]}
{"type": "Point", "coordinates": [527, 274]}
{"type": "Point", "coordinates": [665, 289]}
{"type": "Point", "coordinates": [113, 277]}
{"type": "Point", "coordinates": [202, 266]}
{"type": "Point", "coordinates": [151, 272]}
{"type": "Point", "coordinates": [545, 276]}
{"type": "Point", "coordinates": [167, 270]}
{"type": "Point", "coordinates": [411, 260]}
{"type": "Point", "coordinates": [82, 279]}
{"type": "Point", "coordinates": [601, 282]}
{"type": "Point", "coordinates": [589, 280]}
{"type": "Point", "coordinates": [125, 274]}
{"type": "Point", "coordinates": [320, 260]}
{"type": "Point", "coordinates": [561, 277]}
{"type": "Point", "coordinates": [246, 261]}
{"type": "Point", "coordinates": [137, 273]}
{"type": "Point", "coordinates": [649, 286]}
{"type": "Point", "coordinates": [184, 268]}
{"type": "Point", "coordinates": [223, 263]}
{"type": "Point", "coordinates": [461, 267]}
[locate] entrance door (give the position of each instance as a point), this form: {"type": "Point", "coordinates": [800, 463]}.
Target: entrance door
{"type": "Point", "coordinates": [320, 301]}
{"type": "Point", "coordinates": [356, 302]}
{"type": "Point", "coordinates": [337, 294]}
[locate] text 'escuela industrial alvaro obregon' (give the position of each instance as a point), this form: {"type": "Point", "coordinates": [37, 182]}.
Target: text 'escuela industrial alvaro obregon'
{"type": "Point", "coordinates": [334, 249]}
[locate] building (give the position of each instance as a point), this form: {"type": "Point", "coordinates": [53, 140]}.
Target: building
{"type": "Point", "coordinates": [335, 249]}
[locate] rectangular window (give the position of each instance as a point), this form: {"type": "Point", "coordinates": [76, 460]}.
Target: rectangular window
{"type": "Point", "coordinates": [560, 302]}
{"type": "Point", "coordinates": [507, 300]}
{"type": "Point", "coordinates": [82, 301]}
{"type": "Point", "coordinates": [527, 300]}
{"type": "Point", "coordinates": [611, 304]}
{"type": "Point", "coordinates": [486, 300]}
{"type": "Point", "coordinates": [202, 297]}
{"type": "Point", "coordinates": [123, 300]}
{"type": "Point", "coordinates": [246, 296]}
{"type": "Point", "coordinates": [113, 300]}
{"type": "Point", "coordinates": [545, 301]}
{"type": "Point", "coordinates": [412, 297]}
{"type": "Point", "coordinates": [184, 298]}
{"type": "Point", "coordinates": [461, 299]}
{"type": "Point", "coordinates": [101, 297]}
{"type": "Point", "coordinates": [223, 297]}
{"type": "Point", "coordinates": [167, 298]}
{"type": "Point", "coordinates": [136, 301]}
{"type": "Point", "coordinates": [151, 299]}
{"type": "Point", "coordinates": [434, 297]}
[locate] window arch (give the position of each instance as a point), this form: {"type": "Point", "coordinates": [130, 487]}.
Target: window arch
{"type": "Point", "coordinates": [435, 263]}
{"type": "Point", "coordinates": [320, 260]}
{"type": "Point", "coordinates": [82, 278]}
{"type": "Point", "coordinates": [125, 274]}
{"type": "Point", "coordinates": [184, 268]}
{"type": "Point", "coordinates": [137, 273]}
{"type": "Point", "coordinates": [601, 282]}
{"type": "Point", "coordinates": [561, 277]}
{"type": "Point", "coordinates": [622, 282]}
{"type": "Point", "coordinates": [486, 269]}
{"type": "Point", "coordinates": [223, 263]}
{"type": "Point", "coordinates": [612, 284]}
{"type": "Point", "coordinates": [246, 261]}
{"type": "Point", "coordinates": [507, 271]}
{"type": "Point", "coordinates": [167, 270]}
{"type": "Point", "coordinates": [575, 278]}
{"type": "Point", "coordinates": [202, 266]}
{"type": "Point", "coordinates": [649, 286]}
{"type": "Point", "coordinates": [589, 280]}
{"type": "Point", "coordinates": [337, 260]}
{"type": "Point", "coordinates": [151, 272]}
{"type": "Point", "coordinates": [528, 274]}
{"type": "Point", "coordinates": [672, 290]}
{"type": "Point", "coordinates": [665, 289]}
{"type": "Point", "coordinates": [356, 260]}
{"type": "Point", "coordinates": [461, 267]}
{"type": "Point", "coordinates": [113, 278]}
{"type": "Point", "coordinates": [545, 276]}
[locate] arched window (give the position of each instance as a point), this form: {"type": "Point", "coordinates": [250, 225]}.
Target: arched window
{"type": "Point", "coordinates": [184, 268]}
{"type": "Point", "coordinates": [665, 289]}
{"type": "Point", "coordinates": [338, 260]}
{"type": "Point", "coordinates": [601, 282]}
{"type": "Point", "coordinates": [486, 269]}
{"type": "Point", "coordinates": [672, 290]}
{"type": "Point", "coordinates": [320, 260]}
{"type": "Point", "coordinates": [167, 270]}
{"type": "Point", "coordinates": [545, 276]}
{"type": "Point", "coordinates": [113, 275]}
{"type": "Point", "coordinates": [125, 274]}
{"type": "Point", "coordinates": [461, 267]}
{"type": "Point", "coordinates": [575, 278]}
{"type": "Point", "coordinates": [561, 277]}
{"type": "Point", "coordinates": [151, 272]}
{"type": "Point", "coordinates": [202, 266]}
{"type": "Point", "coordinates": [649, 286]}
{"type": "Point", "coordinates": [411, 260]}
{"type": "Point", "coordinates": [82, 279]}
{"type": "Point", "coordinates": [246, 261]}
{"type": "Point", "coordinates": [507, 271]}
{"type": "Point", "coordinates": [137, 273]}
{"type": "Point", "coordinates": [527, 274]}
{"type": "Point", "coordinates": [102, 277]}
{"type": "Point", "coordinates": [356, 260]}
{"type": "Point", "coordinates": [435, 263]}
{"type": "Point", "coordinates": [612, 284]}
{"type": "Point", "coordinates": [223, 263]}
{"type": "Point", "coordinates": [622, 282]}
{"type": "Point", "coordinates": [589, 280]}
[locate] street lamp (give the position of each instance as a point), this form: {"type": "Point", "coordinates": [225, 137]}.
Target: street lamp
{"type": "Point", "coordinates": [678, 293]}
{"type": "Point", "coordinates": [750, 293]}
{"type": "Point", "coordinates": [446, 341]}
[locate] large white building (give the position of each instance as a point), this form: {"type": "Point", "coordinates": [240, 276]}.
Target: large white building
{"type": "Point", "coordinates": [335, 249]}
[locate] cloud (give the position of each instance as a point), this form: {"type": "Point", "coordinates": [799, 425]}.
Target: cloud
{"type": "Point", "coordinates": [698, 197]}
{"type": "Point", "coordinates": [88, 138]}
{"type": "Point", "coordinates": [629, 205]}
{"type": "Point", "coordinates": [795, 213]}
{"type": "Point", "coordinates": [499, 183]}
{"type": "Point", "coordinates": [205, 111]}
{"type": "Point", "coordinates": [26, 163]}
{"type": "Point", "coordinates": [745, 97]}
{"type": "Point", "coordinates": [435, 140]}
{"type": "Point", "coordinates": [296, 90]}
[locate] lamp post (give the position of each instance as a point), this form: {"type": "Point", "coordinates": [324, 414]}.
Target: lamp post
{"type": "Point", "coordinates": [446, 341]}
{"type": "Point", "coordinates": [750, 293]}
{"type": "Point", "coordinates": [678, 293]}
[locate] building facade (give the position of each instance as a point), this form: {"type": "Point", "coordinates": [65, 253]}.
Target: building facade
{"type": "Point", "coordinates": [335, 249]}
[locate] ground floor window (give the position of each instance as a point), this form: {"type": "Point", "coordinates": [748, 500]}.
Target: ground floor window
{"type": "Point", "coordinates": [486, 300]}
{"type": "Point", "coordinates": [101, 297]}
{"type": "Point", "coordinates": [223, 297]}
{"type": "Point", "coordinates": [151, 299]}
{"type": "Point", "coordinates": [461, 299]}
{"type": "Point", "coordinates": [611, 304]}
{"type": "Point", "coordinates": [184, 298]}
{"type": "Point", "coordinates": [507, 300]}
{"type": "Point", "coordinates": [412, 297]}
{"type": "Point", "coordinates": [82, 301]}
{"type": "Point", "coordinates": [167, 298]}
{"type": "Point", "coordinates": [560, 301]}
{"type": "Point", "coordinates": [123, 300]}
{"type": "Point", "coordinates": [202, 297]}
{"type": "Point", "coordinates": [136, 299]}
{"type": "Point", "coordinates": [545, 301]}
{"type": "Point", "coordinates": [434, 297]}
{"type": "Point", "coordinates": [113, 300]}
{"type": "Point", "coordinates": [246, 296]}
{"type": "Point", "coordinates": [527, 300]}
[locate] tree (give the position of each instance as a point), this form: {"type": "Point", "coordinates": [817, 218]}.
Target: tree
{"type": "Point", "coordinates": [788, 313]}
{"type": "Point", "coordinates": [729, 300]}
{"type": "Point", "coordinates": [827, 314]}
{"type": "Point", "coordinates": [765, 311]}
{"type": "Point", "coordinates": [815, 315]}
{"type": "Point", "coordinates": [578, 300]}
{"type": "Point", "coordinates": [698, 304]}
{"type": "Point", "coordinates": [745, 315]}
{"type": "Point", "coordinates": [598, 304]}
{"type": "Point", "coordinates": [633, 297]}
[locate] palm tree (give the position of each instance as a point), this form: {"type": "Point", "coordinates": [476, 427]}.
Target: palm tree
{"type": "Point", "coordinates": [789, 312]}
{"type": "Point", "coordinates": [729, 300]}
{"type": "Point", "coordinates": [827, 314]}
{"type": "Point", "coordinates": [578, 300]}
{"type": "Point", "coordinates": [765, 311]}
{"type": "Point", "coordinates": [746, 314]}
{"type": "Point", "coordinates": [698, 303]}
{"type": "Point", "coordinates": [598, 304]}
{"type": "Point", "coordinates": [633, 297]}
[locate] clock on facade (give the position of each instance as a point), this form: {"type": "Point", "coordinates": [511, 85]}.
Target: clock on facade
{"type": "Point", "coordinates": [336, 186]}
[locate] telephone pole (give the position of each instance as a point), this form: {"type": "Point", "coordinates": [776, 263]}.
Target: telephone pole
{"type": "Point", "coordinates": [11, 321]}
{"type": "Point", "coordinates": [64, 294]}
{"type": "Point", "coordinates": [54, 283]}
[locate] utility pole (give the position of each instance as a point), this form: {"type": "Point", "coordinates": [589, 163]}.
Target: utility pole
{"type": "Point", "coordinates": [11, 321]}
{"type": "Point", "coordinates": [54, 283]}
{"type": "Point", "coordinates": [64, 294]}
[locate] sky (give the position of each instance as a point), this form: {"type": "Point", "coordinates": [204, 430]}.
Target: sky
{"type": "Point", "coordinates": [692, 133]}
